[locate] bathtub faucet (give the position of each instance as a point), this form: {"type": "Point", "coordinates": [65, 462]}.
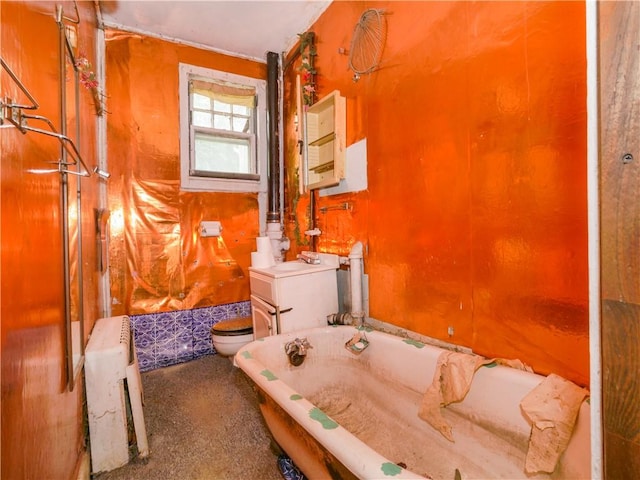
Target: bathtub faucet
{"type": "Point", "coordinates": [297, 350]}
{"type": "Point", "coordinates": [358, 319]}
{"type": "Point", "coordinates": [298, 346]}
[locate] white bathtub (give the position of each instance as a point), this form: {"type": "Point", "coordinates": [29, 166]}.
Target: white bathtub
{"type": "Point", "coordinates": [341, 415]}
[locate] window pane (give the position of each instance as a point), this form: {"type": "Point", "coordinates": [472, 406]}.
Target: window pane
{"type": "Point", "coordinates": [240, 124]}
{"type": "Point", "coordinates": [202, 119]}
{"type": "Point", "coordinates": [220, 154]}
{"type": "Point", "coordinates": [221, 106]}
{"type": "Point", "coordinates": [201, 101]}
{"type": "Point", "coordinates": [222, 122]}
{"type": "Point", "coordinates": [241, 110]}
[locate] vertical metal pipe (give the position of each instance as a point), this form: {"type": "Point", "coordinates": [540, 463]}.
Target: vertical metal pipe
{"type": "Point", "coordinates": [273, 212]}
{"type": "Point", "coordinates": [79, 168]}
{"type": "Point", "coordinates": [64, 202]}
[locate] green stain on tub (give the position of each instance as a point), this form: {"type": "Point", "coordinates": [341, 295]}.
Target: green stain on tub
{"type": "Point", "coordinates": [390, 469]}
{"type": "Point", "coordinates": [366, 328]}
{"type": "Point", "coordinates": [316, 414]}
{"type": "Point", "coordinates": [246, 354]}
{"type": "Point", "coordinates": [295, 396]}
{"type": "Point", "coordinates": [268, 375]}
{"type": "Point", "coordinates": [491, 365]}
{"type": "Point", "coordinates": [415, 343]}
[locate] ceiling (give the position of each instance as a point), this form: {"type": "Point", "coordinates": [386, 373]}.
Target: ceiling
{"type": "Point", "coordinates": [242, 28]}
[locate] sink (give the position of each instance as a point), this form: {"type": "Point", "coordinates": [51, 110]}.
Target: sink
{"type": "Point", "coordinates": [294, 266]}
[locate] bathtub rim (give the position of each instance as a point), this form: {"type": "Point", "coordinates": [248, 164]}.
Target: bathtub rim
{"type": "Point", "coordinates": [299, 411]}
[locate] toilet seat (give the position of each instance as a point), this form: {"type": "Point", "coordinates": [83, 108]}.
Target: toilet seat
{"type": "Point", "coordinates": [229, 336]}
{"type": "Point", "coordinates": [233, 327]}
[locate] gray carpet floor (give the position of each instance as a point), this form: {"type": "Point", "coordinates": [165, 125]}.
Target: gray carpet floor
{"type": "Point", "coordinates": [203, 423]}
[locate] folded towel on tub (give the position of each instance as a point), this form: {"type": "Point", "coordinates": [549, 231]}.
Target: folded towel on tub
{"type": "Point", "coordinates": [552, 407]}
{"type": "Point", "coordinates": [451, 383]}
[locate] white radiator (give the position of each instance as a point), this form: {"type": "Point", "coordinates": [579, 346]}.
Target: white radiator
{"type": "Point", "coordinates": [110, 361]}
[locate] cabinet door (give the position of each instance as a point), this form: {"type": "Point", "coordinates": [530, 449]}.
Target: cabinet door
{"type": "Point", "coordinates": [263, 316]}
{"type": "Point", "coordinates": [325, 137]}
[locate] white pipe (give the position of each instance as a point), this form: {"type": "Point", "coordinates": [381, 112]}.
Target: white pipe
{"type": "Point", "coordinates": [355, 269]}
{"type": "Point", "coordinates": [104, 285]}
{"type": "Point", "coordinates": [279, 242]}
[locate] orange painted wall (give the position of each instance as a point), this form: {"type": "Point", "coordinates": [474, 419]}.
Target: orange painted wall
{"type": "Point", "coordinates": [42, 422]}
{"type": "Point", "coordinates": [475, 215]}
{"type": "Point", "coordinates": [158, 261]}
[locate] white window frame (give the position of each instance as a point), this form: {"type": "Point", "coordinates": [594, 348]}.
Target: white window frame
{"type": "Point", "coordinates": [220, 184]}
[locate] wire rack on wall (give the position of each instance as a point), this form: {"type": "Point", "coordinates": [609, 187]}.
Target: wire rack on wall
{"type": "Point", "coordinates": [367, 43]}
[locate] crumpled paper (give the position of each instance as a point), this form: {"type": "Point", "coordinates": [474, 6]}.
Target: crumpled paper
{"type": "Point", "coordinates": [552, 408]}
{"type": "Point", "coordinates": [451, 383]}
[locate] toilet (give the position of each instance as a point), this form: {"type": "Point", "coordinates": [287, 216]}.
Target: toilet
{"type": "Point", "coordinates": [229, 336]}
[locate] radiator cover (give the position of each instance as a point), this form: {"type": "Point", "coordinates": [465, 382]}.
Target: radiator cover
{"type": "Point", "coordinates": [110, 361]}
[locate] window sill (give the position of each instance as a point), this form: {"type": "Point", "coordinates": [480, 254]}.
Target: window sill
{"type": "Point", "coordinates": [201, 184]}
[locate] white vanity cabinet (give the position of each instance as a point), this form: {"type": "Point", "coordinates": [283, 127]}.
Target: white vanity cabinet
{"type": "Point", "coordinates": [292, 296]}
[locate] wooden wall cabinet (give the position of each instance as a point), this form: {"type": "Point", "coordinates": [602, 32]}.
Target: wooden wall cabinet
{"type": "Point", "coordinates": [325, 124]}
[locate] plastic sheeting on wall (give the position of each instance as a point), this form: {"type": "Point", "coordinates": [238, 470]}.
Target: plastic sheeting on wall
{"type": "Point", "coordinates": [158, 260]}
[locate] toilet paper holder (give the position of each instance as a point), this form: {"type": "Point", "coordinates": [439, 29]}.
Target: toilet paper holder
{"type": "Point", "coordinates": [210, 229]}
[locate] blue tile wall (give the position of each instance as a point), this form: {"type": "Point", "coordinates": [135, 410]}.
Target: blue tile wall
{"type": "Point", "coordinates": [168, 338]}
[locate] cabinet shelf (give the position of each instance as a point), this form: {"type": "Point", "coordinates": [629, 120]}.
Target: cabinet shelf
{"type": "Point", "coordinates": [325, 167]}
{"type": "Point", "coordinates": [321, 141]}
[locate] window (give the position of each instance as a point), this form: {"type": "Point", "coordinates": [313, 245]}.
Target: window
{"type": "Point", "coordinates": [222, 131]}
